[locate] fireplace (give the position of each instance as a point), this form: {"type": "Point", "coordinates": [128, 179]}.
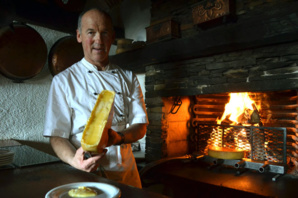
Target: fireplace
{"type": "Point", "coordinates": [186, 91]}
{"type": "Point", "coordinates": [188, 81]}
{"type": "Point", "coordinates": [202, 85]}
{"type": "Point", "coordinates": [187, 126]}
{"type": "Point", "coordinates": [188, 123]}
{"type": "Point", "coordinates": [181, 127]}
{"type": "Point", "coordinates": [185, 98]}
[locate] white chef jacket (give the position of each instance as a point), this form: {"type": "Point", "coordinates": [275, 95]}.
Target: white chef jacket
{"type": "Point", "coordinates": [72, 96]}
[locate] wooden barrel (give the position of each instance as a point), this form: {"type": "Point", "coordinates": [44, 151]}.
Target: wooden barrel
{"type": "Point", "coordinates": [23, 52]}
{"type": "Point", "coordinates": [65, 52]}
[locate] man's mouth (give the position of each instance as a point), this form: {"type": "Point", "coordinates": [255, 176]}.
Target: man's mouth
{"type": "Point", "coordinates": [99, 49]}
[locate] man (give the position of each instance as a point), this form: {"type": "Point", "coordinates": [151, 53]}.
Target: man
{"type": "Point", "coordinates": [72, 97]}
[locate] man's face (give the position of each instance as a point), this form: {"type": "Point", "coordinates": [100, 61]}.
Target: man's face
{"type": "Point", "coordinates": [96, 36]}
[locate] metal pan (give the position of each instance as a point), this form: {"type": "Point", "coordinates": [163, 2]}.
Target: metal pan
{"type": "Point", "coordinates": [23, 52]}
{"type": "Point", "coordinates": [65, 52]}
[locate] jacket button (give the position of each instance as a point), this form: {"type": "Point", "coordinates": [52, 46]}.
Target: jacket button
{"type": "Point", "coordinates": [90, 71]}
{"type": "Point", "coordinates": [95, 93]}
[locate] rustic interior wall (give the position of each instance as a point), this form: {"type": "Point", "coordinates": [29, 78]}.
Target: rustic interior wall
{"type": "Point", "coordinates": [23, 105]}
{"type": "Point", "coordinates": [169, 129]}
{"type": "Point", "coordinates": [268, 68]}
{"type": "Point", "coordinates": [176, 123]}
{"type": "Point", "coordinates": [181, 11]}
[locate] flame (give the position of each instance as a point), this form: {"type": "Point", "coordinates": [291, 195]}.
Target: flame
{"type": "Point", "coordinates": [240, 110]}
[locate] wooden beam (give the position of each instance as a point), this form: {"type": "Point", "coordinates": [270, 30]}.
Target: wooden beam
{"type": "Point", "coordinates": [275, 26]}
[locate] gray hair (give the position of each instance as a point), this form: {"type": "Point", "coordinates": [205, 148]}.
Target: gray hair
{"type": "Point", "coordinates": [84, 12]}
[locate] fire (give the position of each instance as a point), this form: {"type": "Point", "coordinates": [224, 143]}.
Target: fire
{"type": "Point", "coordinates": [241, 110]}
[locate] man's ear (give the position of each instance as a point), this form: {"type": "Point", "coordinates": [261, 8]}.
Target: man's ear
{"type": "Point", "coordinates": [79, 39]}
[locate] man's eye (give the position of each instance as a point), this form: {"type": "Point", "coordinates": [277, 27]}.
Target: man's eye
{"type": "Point", "coordinates": [105, 33]}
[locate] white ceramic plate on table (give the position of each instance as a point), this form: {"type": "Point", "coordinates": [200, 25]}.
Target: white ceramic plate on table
{"type": "Point", "coordinates": [103, 190]}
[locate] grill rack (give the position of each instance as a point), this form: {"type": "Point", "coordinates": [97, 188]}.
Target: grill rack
{"type": "Point", "coordinates": [268, 146]}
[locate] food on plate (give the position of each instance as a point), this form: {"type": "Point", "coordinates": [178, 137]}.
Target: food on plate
{"type": "Point", "coordinates": [82, 191]}
{"type": "Point", "coordinates": [95, 135]}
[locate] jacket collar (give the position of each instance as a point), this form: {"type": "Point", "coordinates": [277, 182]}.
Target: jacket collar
{"type": "Point", "coordinates": [89, 66]}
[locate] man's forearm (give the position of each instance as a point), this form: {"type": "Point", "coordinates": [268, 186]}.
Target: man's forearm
{"type": "Point", "coordinates": [63, 148]}
{"type": "Point", "coordinates": [134, 133]}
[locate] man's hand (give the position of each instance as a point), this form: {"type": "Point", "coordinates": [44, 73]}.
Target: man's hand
{"type": "Point", "coordinates": [131, 134]}
{"type": "Point", "coordinates": [68, 153]}
{"type": "Point", "coordinates": [88, 165]}
{"type": "Point", "coordinates": [114, 137]}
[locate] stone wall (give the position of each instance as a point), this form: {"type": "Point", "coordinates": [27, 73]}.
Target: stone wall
{"type": "Point", "coordinates": [181, 11]}
{"type": "Point", "coordinates": [270, 68]}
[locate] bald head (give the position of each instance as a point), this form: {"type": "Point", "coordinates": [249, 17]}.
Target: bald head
{"type": "Point", "coordinates": [96, 33]}
{"type": "Point", "coordinates": [94, 10]}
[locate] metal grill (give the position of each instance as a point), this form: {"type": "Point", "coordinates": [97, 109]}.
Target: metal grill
{"type": "Point", "coordinates": [263, 143]}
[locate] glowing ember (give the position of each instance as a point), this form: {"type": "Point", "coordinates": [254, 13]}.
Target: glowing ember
{"type": "Point", "coordinates": [241, 110]}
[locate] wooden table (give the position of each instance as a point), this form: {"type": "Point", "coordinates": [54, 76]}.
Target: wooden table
{"type": "Point", "coordinates": [33, 173]}
{"type": "Point", "coordinates": [35, 181]}
{"type": "Point", "coordinates": [194, 179]}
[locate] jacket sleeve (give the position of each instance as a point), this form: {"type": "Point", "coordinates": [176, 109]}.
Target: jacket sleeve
{"type": "Point", "coordinates": [58, 113]}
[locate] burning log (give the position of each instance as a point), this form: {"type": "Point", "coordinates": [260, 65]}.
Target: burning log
{"type": "Point", "coordinates": [231, 142]}
{"type": "Point", "coordinates": [255, 116]}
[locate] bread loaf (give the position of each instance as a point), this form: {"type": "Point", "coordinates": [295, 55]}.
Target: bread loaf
{"type": "Point", "coordinates": [95, 135]}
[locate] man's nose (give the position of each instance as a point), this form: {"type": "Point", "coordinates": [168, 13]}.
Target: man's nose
{"type": "Point", "coordinates": [98, 37]}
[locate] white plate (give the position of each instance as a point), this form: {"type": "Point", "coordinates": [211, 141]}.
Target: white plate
{"type": "Point", "coordinates": [103, 190]}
